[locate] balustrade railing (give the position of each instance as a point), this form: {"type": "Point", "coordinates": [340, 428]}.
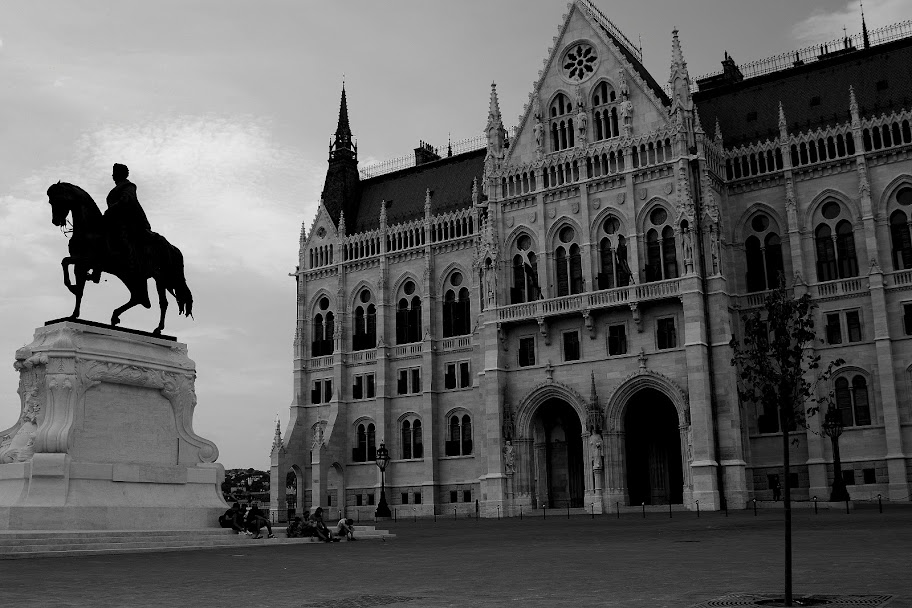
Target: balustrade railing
{"type": "Point", "coordinates": [454, 343]}
{"type": "Point", "coordinates": [407, 350]}
{"type": "Point", "coordinates": [591, 300]}
{"type": "Point", "coordinates": [901, 278]}
{"type": "Point", "coordinates": [841, 287]}
{"type": "Point", "coordinates": [321, 362]}
{"type": "Point", "coordinates": [363, 356]}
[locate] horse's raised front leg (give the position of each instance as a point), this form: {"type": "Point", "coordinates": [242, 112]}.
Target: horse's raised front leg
{"type": "Point", "coordinates": [162, 304]}
{"type": "Point", "coordinates": [115, 316]}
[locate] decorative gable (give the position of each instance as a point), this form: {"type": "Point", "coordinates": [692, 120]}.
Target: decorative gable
{"type": "Point", "coordinates": [590, 66]}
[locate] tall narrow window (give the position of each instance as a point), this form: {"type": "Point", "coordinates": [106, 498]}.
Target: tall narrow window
{"type": "Point", "coordinates": [902, 244]}
{"type": "Point", "coordinates": [845, 250]}
{"type": "Point", "coordinates": [653, 268]}
{"type": "Point", "coordinates": [756, 273]}
{"type": "Point", "coordinates": [571, 346]}
{"type": "Point", "coordinates": [666, 337]}
{"type": "Point", "coordinates": [526, 352]}
{"type": "Point", "coordinates": [826, 254]}
{"type": "Point", "coordinates": [617, 339]}
{"type": "Point", "coordinates": [406, 439]}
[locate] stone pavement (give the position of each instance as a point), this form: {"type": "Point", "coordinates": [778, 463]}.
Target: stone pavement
{"type": "Point", "coordinates": [631, 562]}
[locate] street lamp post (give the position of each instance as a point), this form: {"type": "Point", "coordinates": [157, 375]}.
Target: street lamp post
{"type": "Point", "coordinates": [383, 458]}
{"type": "Point", "coordinates": [832, 426]}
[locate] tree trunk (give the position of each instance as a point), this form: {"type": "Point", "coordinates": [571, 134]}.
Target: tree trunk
{"type": "Point", "coordinates": [787, 504]}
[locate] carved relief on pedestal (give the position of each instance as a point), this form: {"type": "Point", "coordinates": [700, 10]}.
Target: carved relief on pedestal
{"type": "Point", "coordinates": [17, 444]}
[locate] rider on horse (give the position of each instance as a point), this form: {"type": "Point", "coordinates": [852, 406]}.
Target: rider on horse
{"type": "Point", "coordinates": [125, 221]}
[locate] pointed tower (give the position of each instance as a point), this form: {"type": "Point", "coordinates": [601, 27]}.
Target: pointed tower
{"type": "Point", "coordinates": [277, 438]}
{"type": "Point", "coordinates": [342, 187]}
{"type": "Point", "coordinates": [682, 106]}
{"type": "Point", "coordinates": [496, 135]}
{"type": "Point", "coordinates": [864, 29]}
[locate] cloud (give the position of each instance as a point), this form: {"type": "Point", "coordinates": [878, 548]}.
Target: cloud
{"type": "Point", "coordinates": [220, 188]}
{"type": "Point", "coordinates": [823, 25]}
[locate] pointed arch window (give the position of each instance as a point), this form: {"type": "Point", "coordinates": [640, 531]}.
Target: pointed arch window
{"type": "Point", "coordinates": [410, 438]}
{"type": "Point", "coordinates": [763, 252]}
{"type": "Point", "coordinates": [525, 272]}
{"type": "Point", "coordinates": [568, 263]}
{"type": "Point", "coordinates": [366, 450]}
{"type": "Point", "coordinates": [561, 123]}
{"type": "Point", "coordinates": [900, 239]}
{"type": "Point", "coordinates": [456, 308]}
{"type": "Point", "coordinates": [365, 322]}
{"type": "Point", "coordinates": [835, 244]}
{"type": "Point", "coordinates": [604, 111]}
{"type": "Point", "coordinates": [408, 316]}
{"type": "Point", "coordinates": [323, 330]}
{"type": "Point", "coordinates": [661, 248]}
{"type": "Point", "coordinates": [459, 436]}
{"type": "Point", "coordinates": [852, 401]}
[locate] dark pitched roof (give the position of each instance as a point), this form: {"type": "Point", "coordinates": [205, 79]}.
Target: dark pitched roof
{"type": "Point", "coordinates": [827, 80]}
{"type": "Point", "coordinates": [450, 180]}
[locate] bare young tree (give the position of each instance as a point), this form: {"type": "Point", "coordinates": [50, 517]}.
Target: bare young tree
{"type": "Point", "coordinates": [780, 372]}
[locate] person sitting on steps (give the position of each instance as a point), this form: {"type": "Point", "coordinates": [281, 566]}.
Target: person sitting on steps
{"type": "Point", "coordinates": [233, 518]}
{"type": "Point", "coordinates": [256, 520]}
{"type": "Point", "coordinates": [346, 529]}
{"type": "Point", "coordinates": [322, 532]}
{"type": "Point", "coordinates": [295, 528]}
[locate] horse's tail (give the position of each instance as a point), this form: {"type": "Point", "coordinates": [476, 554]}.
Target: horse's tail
{"type": "Point", "coordinates": [179, 285]}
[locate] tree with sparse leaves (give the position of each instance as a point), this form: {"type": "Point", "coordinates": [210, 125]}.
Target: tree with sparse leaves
{"type": "Point", "coordinates": [779, 371]}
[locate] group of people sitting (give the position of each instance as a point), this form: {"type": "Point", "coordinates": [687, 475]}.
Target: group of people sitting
{"type": "Point", "coordinates": [312, 525]}
{"type": "Point", "coordinates": [250, 520]}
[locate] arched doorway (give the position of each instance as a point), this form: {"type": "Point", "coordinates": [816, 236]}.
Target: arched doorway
{"type": "Point", "coordinates": [655, 474]}
{"type": "Point", "coordinates": [557, 448]}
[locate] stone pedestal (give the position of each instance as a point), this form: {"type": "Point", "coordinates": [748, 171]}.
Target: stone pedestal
{"type": "Point", "coordinates": [104, 438]}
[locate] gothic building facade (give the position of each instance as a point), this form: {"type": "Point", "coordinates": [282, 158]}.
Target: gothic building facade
{"type": "Point", "coordinates": [545, 320]}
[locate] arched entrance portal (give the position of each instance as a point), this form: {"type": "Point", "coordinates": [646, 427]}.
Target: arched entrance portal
{"type": "Point", "coordinates": [558, 455]}
{"type": "Point", "coordinates": [655, 473]}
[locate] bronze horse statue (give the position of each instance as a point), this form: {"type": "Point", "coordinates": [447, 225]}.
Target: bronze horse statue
{"type": "Point", "coordinates": [91, 254]}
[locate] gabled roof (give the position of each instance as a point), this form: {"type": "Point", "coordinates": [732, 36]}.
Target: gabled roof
{"type": "Point", "coordinates": [450, 180]}
{"type": "Point", "coordinates": [747, 111]}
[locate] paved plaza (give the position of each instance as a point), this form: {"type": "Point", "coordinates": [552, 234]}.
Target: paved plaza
{"type": "Point", "coordinates": [629, 562]}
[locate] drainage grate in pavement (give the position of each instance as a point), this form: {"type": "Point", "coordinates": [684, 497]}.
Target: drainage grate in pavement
{"type": "Point", "coordinates": [737, 600]}
{"type": "Point", "coordinates": [360, 601]}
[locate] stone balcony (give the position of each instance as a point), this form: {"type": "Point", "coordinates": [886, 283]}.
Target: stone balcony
{"type": "Point", "coordinates": [583, 303]}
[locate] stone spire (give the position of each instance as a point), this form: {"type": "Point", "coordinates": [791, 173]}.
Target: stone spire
{"type": "Point", "coordinates": [277, 439]}
{"type": "Point", "coordinates": [783, 125]}
{"type": "Point", "coordinates": [853, 109]}
{"type": "Point", "coordinates": [342, 188]}
{"type": "Point", "coordinates": [427, 203]}
{"type": "Point", "coordinates": [864, 28]}
{"type": "Point", "coordinates": [593, 411]}
{"type": "Point", "coordinates": [495, 129]}
{"type": "Point", "coordinates": [383, 214]}
{"type": "Point", "coordinates": [341, 226]}
{"type": "Point", "coordinates": [342, 141]}
{"type": "Point", "coordinates": [679, 80]}
{"type": "Point", "coordinates": [302, 239]}
{"type": "Point", "coordinates": [717, 137]}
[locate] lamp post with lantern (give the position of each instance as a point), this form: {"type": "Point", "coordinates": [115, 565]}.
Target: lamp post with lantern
{"type": "Point", "coordinates": [832, 426]}
{"type": "Point", "coordinates": [383, 459]}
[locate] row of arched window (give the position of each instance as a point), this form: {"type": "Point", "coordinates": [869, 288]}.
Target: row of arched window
{"type": "Point", "coordinates": [458, 441]}
{"type": "Point", "coordinates": [852, 401]}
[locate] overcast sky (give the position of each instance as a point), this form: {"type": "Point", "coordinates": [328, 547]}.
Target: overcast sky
{"type": "Point", "coordinates": [223, 111]}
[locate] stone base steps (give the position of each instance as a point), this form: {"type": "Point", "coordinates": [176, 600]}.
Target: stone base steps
{"type": "Point", "coordinates": [54, 543]}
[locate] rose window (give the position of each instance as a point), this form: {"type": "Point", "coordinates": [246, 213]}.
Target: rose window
{"type": "Point", "coordinates": [579, 62]}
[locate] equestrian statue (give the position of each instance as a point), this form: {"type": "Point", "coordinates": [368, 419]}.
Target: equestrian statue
{"type": "Point", "coordinates": [121, 243]}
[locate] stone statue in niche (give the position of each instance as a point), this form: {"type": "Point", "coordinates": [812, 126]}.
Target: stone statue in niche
{"type": "Point", "coordinates": [595, 449]}
{"type": "Point", "coordinates": [509, 458]}
{"type": "Point", "coordinates": [538, 130]}
{"type": "Point", "coordinates": [688, 244]}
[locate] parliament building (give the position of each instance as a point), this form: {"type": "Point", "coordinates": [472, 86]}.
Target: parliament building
{"type": "Point", "coordinates": [541, 317]}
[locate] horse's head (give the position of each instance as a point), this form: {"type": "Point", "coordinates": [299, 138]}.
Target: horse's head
{"type": "Point", "coordinates": [58, 197]}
